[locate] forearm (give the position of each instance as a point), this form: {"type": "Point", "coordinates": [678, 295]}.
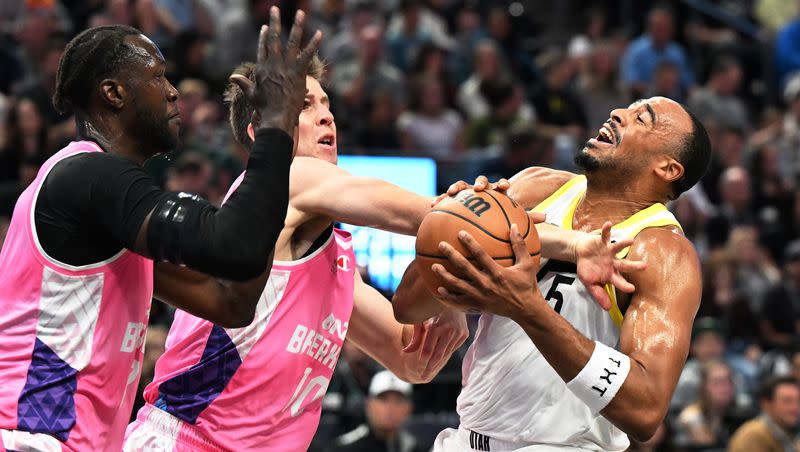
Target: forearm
{"type": "Point", "coordinates": [639, 405]}
{"type": "Point", "coordinates": [412, 301]}
{"type": "Point", "coordinates": [558, 243]}
{"type": "Point", "coordinates": [378, 204]}
{"type": "Point", "coordinates": [235, 241]}
{"type": "Point", "coordinates": [226, 303]}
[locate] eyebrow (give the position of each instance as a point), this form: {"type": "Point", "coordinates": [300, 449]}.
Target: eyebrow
{"type": "Point", "coordinates": [652, 113]}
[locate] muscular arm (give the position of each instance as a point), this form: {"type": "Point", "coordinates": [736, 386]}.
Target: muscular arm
{"type": "Point", "coordinates": [321, 188]}
{"type": "Point", "coordinates": [655, 334]}
{"type": "Point", "coordinates": [234, 241]}
{"type": "Point", "coordinates": [374, 330]}
{"type": "Point", "coordinates": [226, 303]}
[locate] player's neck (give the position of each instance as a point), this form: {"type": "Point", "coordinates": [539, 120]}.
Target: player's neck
{"type": "Point", "coordinates": [109, 136]}
{"type": "Point", "coordinates": [599, 206]}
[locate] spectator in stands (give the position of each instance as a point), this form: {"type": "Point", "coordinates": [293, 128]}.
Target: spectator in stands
{"type": "Point", "coordinates": [25, 137]}
{"type": "Point", "coordinates": [773, 197]}
{"type": "Point", "coordinates": [756, 271]}
{"type": "Point", "coordinates": [342, 46]}
{"type": "Point", "coordinates": [705, 424]}
{"type": "Point", "coordinates": [428, 127]}
{"type": "Point", "coordinates": [387, 408]}
{"type": "Point", "coordinates": [708, 345]}
{"type": "Point", "coordinates": [718, 97]}
{"type": "Point", "coordinates": [559, 111]}
{"type": "Point", "coordinates": [406, 34]}
{"type": "Point", "coordinates": [177, 16]}
{"type": "Point", "coordinates": [598, 85]}
{"type": "Point", "coordinates": [506, 103]}
{"type": "Point", "coordinates": [468, 35]}
{"type": "Point", "coordinates": [789, 133]}
{"type": "Point", "coordinates": [666, 82]}
{"type": "Point", "coordinates": [647, 52]}
{"type": "Point", "coordinates": [787, 50]}
{"type": "Point", "coordinates": [378, 131]}
{"type": "Point", "coordinates": [735, 208]}
{"type": "Point", "coordinates": [524, 147]}
{"type": "Point", "coordinates": [774, 430]}
{"type": "Point", "coordinates": [355, 82]}
{"type": "Point", "coordinates": [488, 67]}
{"type": "Point", "coordinates": [724, 300]}
{"type": "Point", "coordinates": [780, 317]}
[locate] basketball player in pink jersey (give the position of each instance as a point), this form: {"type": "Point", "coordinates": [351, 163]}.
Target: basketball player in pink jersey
{"type": "Point", "coordinates": [261, 387]}
{"type": "Point", "coordinates": [76, 270]}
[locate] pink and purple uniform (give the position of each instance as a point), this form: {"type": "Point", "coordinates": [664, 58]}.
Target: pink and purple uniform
{"type": "Point", "coordinates": [71, 338]}
{"type": "Point", "coordinates": [259, 387]}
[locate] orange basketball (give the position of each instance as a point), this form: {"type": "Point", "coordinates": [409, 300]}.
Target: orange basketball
{"type": "Point", "coordinates": [487, 216]}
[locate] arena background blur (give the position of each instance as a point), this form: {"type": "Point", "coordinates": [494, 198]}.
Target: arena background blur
{"type": "Point", "coordinates": [491, 87]}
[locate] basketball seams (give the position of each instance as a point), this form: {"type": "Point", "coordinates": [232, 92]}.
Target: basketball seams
{"type": "Point", "coordinates": [502, 209]}
{"type": "Point", "coordinates": [472, 223]}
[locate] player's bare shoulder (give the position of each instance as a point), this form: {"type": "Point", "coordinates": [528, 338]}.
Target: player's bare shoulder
{"type": "Point", "coordinates": [671, 259]}
{"type": "Point", "coordinates": [533, 185]}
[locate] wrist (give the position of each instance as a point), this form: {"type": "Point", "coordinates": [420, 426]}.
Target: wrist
{"type": "Point", "coordinates": [527, 311]}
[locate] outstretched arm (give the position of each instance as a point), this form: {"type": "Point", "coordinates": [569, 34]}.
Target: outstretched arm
{"type": "Point", "coordinates": [322, 188]}
{"type": "Point", "coordinates": [654, 338]}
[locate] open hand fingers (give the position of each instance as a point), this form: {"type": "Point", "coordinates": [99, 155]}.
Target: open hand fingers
{"type": "Point", "coordinates": [521, 254]}
{"type": "Point", "coordinates": [476, 251]}
{"type": "Point", "coordinates": [261, 56]}
{"type": "Point", "coordinates": [622, 284]}
{"type": "Point", "coordinates": [311, 49]}
{"type": "Point", "coordinates": [481, 183]}
{"type": "Point", "coordinates": [452, 285]}
{"type": "Point", "coordinates": [457, 187]}
{"type": "Point", "coordinates": [501, 185]}
{"type": "Point", "coordinates": [274, 32]}
{"type": "Point", "coordinates": [295, 35]}
{"type": "Point", "coordinates": [600, 296]}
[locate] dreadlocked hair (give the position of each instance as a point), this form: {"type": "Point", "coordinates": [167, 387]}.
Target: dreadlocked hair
{"type": "Point", "coordinates": [93, 55]}
{"type": "Point", "coordinates": [242, 111]}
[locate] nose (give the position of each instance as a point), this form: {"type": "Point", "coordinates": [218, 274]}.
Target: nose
{"type": "Point", "coordinates": [172, 92]}
{"type": "Point", "coordinates": [619, 116]}
{"type": "Point", "coordinates": [324, 116]}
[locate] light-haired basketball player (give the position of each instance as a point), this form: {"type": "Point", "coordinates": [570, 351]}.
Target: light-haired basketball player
{"type": "Point", "coordinates": [549, 369]}
{"type": "Point", "coordinates": [260, 387]}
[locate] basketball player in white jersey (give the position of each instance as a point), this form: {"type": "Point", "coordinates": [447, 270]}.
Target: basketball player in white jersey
{"type": "Point", "coordinates": [549, 369]}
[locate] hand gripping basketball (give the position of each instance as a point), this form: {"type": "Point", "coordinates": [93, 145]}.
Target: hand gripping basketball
{"type": "Point", "coordinates": [487, 216]}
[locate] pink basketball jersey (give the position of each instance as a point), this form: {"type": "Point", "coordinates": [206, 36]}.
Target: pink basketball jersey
{"type": "Point", "coordinates": [71, 338]}
{"type": "Point", "coordinates": [260, 387]}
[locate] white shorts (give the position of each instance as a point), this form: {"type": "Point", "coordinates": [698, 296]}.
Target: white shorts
{"type": "Point", "coordinates": [155, 430]}
{"type": "Point", "coordinates": [461, 439]}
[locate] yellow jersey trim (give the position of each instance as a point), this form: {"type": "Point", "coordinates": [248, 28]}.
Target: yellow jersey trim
{"type": "Point", "coordinates": [558, 193]}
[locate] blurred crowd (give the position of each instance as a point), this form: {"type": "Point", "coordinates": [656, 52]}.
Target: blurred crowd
{"type": "Point", "coordinates": [492, 87]}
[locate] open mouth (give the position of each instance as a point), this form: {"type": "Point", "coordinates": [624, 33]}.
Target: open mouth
{"type": "Point", "coordinates": [327, 140]}
{"type": "Point", "coordinates": [605, 135]}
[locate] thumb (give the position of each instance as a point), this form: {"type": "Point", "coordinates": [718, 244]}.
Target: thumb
{"type": "Point", "coordinates": [416, 339]}
{"type": "Point", "coordinates": [536, 217]}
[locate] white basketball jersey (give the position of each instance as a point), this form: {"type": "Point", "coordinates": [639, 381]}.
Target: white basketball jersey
{"type": "Point", "coordinates": [510, 392]}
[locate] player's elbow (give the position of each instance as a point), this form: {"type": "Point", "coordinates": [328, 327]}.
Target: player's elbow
{"type": "Point", "coordinates": [645, 425]}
